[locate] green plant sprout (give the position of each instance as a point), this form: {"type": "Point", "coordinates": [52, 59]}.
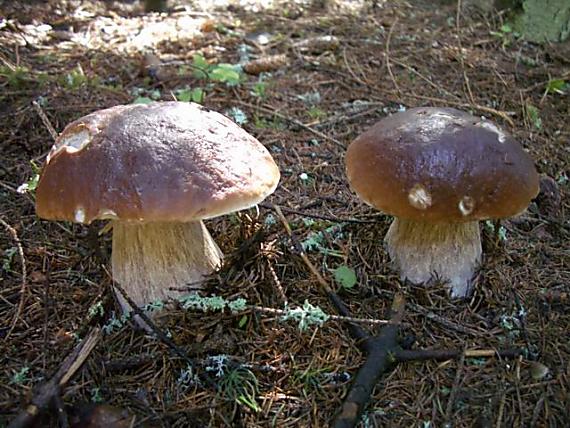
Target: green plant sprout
{"type": "Point", "coordinates": [533, 115]}
{"type": "Point", "coordinates": [96, 310]}
{"type": "Point", "coordinates": [15, 76]}
{"type": "Point", "coordinates": [20, 377]}
{"type": "Point", "coordinates": [502, 232]}
{"type": "Point", "coordinates": [315, 241]}
{"type": "Point", "coordinates": [96, 396]}
{"type": "Point", "coordinates": [142, 100]}
{"type": "Point", "coordinates": [8, 258]}
{"type": "Point", "coordinates": [259, 89]}
{"type": "Point", "coordinates": [229, 74]}
{"type": "Point", "coordinates": [145, 96]}
{"type": "Point", "coordinates": [316, 113]}
{"type": "Point", "coordinates": [30, 185]}
{"type": "Point", "coordinates": [556, 86]}
{"type": "Point", "coordinates": [195, 95]}
{"type": "Point", "coordinates": [345, 276]}
{"type": "Point", "coordinates": [272, 123]}
{"type": "Point", "coordinates": [505, 34]}
{"type": "Point", "coordinates": [238, 384]}
{"type": "Point", "coordinates": [77, 78]}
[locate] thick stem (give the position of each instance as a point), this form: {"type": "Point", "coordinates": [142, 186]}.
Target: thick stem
{"type": "Point", "coordinates": [149, 258]}
{"type": "Point", "coordinates": [449, 251]}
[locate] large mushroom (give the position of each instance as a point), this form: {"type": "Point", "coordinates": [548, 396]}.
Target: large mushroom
{"type": "Point", "coordinates": [439, 171]}
{"type": "Point", "coordinates": [156, 171]}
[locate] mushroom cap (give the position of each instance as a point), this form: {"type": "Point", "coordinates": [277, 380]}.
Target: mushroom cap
{"type": "Point", "coordinates": [441, 165]}
{"type": "Point", "coordinates": [164, 161]}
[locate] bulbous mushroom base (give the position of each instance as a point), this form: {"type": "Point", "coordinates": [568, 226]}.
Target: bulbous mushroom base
{"type": "Point", "coordinates": [150, 258]}
{"type": "Point", "coordinates": [423, 251]}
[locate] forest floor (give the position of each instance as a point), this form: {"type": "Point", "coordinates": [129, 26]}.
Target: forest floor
{"type": "Point", "coordinates": [328, 74]}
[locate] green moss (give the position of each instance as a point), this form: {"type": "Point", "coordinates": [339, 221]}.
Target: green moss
{"type": "Point", "coordinates": [544, 20]}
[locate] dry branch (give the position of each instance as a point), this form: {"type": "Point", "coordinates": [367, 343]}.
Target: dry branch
{"type": "Point", "coordinates": [23, 287]}
{"type": "Point", "coordinates": [379, 358]}
{"type": "Point", "coordinates": [49, 391]}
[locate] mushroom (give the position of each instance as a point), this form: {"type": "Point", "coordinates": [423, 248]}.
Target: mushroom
{"type": "Point", "coordinates": [439, 171]}
{"type": "Point", "coordinates": [156, 171]}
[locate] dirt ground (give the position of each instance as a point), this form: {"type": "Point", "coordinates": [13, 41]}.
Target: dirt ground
{"type": "Point", "coordinates": [329, 73]}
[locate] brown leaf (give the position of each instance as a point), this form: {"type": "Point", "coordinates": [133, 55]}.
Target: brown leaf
{"type": "Point", "coordinates": [37, 276]}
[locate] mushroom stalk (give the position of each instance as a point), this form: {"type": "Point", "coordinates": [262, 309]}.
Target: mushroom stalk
{"type": "Point", "coordinates": [423, 251]}
{"type": "Point", "coordinates": [150, 258]}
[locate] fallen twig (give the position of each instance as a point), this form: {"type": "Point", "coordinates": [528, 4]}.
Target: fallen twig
{"type": "Point", "coordinates": [45, 120]}
{"type": "Point", "coordinates": [23, 287]}
{"type": "Point", "coordinates": [291, 120]}
{"type": "Point", "coordinates": [46, 393]}
{"type": "Point", "coordinates": [387, 52]}
{"type": "Point", "coordinates": [371, 321]}
{"type": "Point", "coordinates": [318, 216]}
{"type": "Point", "coordinates": [403, 355]}
{"type": "Point", "coordinates": [379, 357]}
{"type": "Point", "coordinates": [383, 352]}
{"type": "Point", "coordinates": [503, 115]}
{"type": "Point", "coordinates": [355, 330]}
{"type": "Point", "coordinates": [454, 390]}
{"type": "Point", "coordinates": [151, 326]}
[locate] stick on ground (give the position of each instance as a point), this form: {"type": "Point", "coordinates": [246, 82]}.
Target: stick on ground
{"type": "Point", "coordinates": [380, 351]}
{"type": "Point", "coordinates": [47, 393]}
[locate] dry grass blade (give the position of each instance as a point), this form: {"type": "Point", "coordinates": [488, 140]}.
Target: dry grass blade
{"type": "Point", "coordinates": [23, 287]}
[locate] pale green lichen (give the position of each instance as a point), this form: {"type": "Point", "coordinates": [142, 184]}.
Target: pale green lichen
{"type": "Point", "coordinates": [306, 315]}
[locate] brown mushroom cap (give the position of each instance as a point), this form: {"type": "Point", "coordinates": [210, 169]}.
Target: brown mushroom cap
{"type": "Point", "coordinates": [441, 165]}
{"type": "Point", "coordinates": [164, 161]}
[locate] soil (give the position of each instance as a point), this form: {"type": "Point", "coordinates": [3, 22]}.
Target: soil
{"type": "Point", "coordinates": [331, 70]}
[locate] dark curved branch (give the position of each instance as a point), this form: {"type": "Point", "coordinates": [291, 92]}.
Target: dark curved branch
{"type": "Point", "coordinates": [380, 351]}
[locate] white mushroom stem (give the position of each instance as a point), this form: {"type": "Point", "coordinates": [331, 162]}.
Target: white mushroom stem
{"type": "Point", "coordinates": [423, 251]}
{"type": "Point", "coordinates": [150, 258]}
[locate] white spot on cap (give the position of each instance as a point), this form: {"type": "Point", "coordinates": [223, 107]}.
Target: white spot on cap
{"type": "Point", "coordinates": [79, 215]}
{"type": "Point", "coordinates": [419, 197]}
{"type": "Point", "coordinates": [72, 143]}
{"type": "Point", "coordinates": [493, 128]}
{"type": "Point", "coordinates": [466, 205]}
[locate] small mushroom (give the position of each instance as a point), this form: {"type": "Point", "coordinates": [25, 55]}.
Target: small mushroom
{"type": "Point", "coordinates": [439, 171]}
{"type": "Point", "coordinates": [156, 171]}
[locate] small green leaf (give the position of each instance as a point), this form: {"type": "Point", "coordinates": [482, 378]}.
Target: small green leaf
{"type": "Point", "coordinates": [242, 321]}
{"type": "Point", "coordinates": [226, 73]}
{"type": "Point", "coordinates": [8, 257]}
{"type": "Point", "coordinates": [557, 86]}
{"type": "Point", "coordinates": [184, 95]}
{"type": "Point", "coordinates": [200, 66]}
{"type": "Point", "coordinates": [142, 100]}
{"type": "Point", "coordinates": [259, 89]}
{"type": "Point", "coordinates": [20, 377]}
{"type": "Point", "coordinates": [534, 116]}
{"type": "Point", "coordinates": [345, 276]}
{"type": "Point", "coordinates": [198, 95]}
{"type": "Point", "coordinates": [32, 183]}
{"type": "Point", "coordinates": [316, 113]}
